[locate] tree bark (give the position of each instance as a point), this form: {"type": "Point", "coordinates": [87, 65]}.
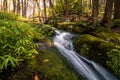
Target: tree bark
{"type": "Point", "coordinates": [14, 6]}
{"type": "Point", "coordinates": [18, 6]}
{"type": "Point", "coordinates": [117, 9]}
{"type": "Point", "coordinates": [67, 9]}
{"type": "Point", "coordinates": [44, 4]}
{"type": "Point", "coordinates": [108, 13]}
{"type": "Point", "coordinates": [38, 7]}
{"type": "Point", "coordinates": [24, 8]}
{"type": "Point", "coordinates": [5, 5]}
{"type": "Point", "coordinates": [34, 6]}
{"type": "Point", "coordinates": [95, 11]}
{"type": "Point", "coordinates": [1, 5]}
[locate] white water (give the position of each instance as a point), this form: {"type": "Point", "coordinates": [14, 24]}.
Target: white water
{"type": "Point", "coordinates": [88, 69]}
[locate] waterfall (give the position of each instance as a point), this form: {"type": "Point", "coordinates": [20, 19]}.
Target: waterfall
{"type": "Point", "coordinates": [86, 68]}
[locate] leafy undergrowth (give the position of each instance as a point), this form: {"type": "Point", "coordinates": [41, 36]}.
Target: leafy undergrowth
{"type": "Point", "coordinates": [48, 65]}
{"type": "Point", "coordinates": [19, 42]}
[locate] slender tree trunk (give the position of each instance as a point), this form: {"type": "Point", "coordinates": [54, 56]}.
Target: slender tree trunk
{"type": "Point", "coordinates": [34, 6]}
{"type": "Point", "coordinates": [1, 5]}
{"type": "Point", "coordinates": [5, 5]}
{"type": "Point", "coordinates": [95, 11]}
{"type": "Point", "coordinates": [44, 4]}
{"type": "Point", "coordinates": [67, 9]}
{"type": "Point", "coordinates": [38, 7]}
{"type": "Point", "coordinates": [108, 13]}
{"type": "Point", "coordinates": [24, 8]}
{"type": "Point", "coordinates": [117, 9]}
{"type": "Point", "coordinates": [90, 4]}
{"type": "Point", "coordinates": [18, 6]}
{"type": "Point", "coordinates": [14, 6]}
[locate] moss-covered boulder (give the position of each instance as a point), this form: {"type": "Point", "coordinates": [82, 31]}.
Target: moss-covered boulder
{"type": "Point", "coordinates": [93, 48]}
{"type": "Point", "coordinates": [70, 27]}
{"type": "Point", "coordinates": [102, 46]}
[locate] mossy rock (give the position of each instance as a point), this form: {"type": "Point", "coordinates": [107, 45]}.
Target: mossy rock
{"type": "Point", "coordinates": [72, 27]}
{"type": "Point", "coordinates": [93, 48]}
{"type": "Point", "coordinates": [48, 65]}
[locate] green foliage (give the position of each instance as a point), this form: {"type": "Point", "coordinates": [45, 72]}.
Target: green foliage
{"type": "Point", "coordinates": [45, 30]}
{"type": "Point", "coordinates": [16, 41]}
{"type": "Point", "coordinates": [116, 23]}
{"type": "Point", "coordinates": [60, 6]}
{"type": "Point", "coordinates": [84, 49]}
{"type": "Point", "coordinates": [8, 16]}
{"type": "Point", "coordinates": [74, 5]}
{"type": "Point", "coordinates": [48, 65]}
{"type": "Point", "coordinates": [8, 60]}
{"type": "Point", "coordinates": [114, 61]}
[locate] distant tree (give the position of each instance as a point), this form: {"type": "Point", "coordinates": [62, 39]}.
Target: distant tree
{"type": "Point", "coordinates": [14, 6]}
{"type": "Point", "coordinates": [95, 11]}
{"type": "Point", "coordinates": [107, 13]}
{"type": "Point", "coordinates": [44, 5]}
{"type": "Point", "coordinates": [24, 8]}
{"type": "Point", "coordinates": [18, 7]}
{"type": "Point", "coordinates": [38, 7]}
{"type": "Point", "coordinates": [5, 5]}
{"type": "Point", "coordinates": [34, 6]}
{"type": "Point", "coordinates": [90, 4]}
{"type": "Point", "coordinates": [67, 9]}
{"type": "Point", "coordinates": [117, 9]}
{"type": "Point", "coordinates": [1, 4]}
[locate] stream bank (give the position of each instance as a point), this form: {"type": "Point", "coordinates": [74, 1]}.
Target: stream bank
{"type": "Point", "coordinates": [96, 43]}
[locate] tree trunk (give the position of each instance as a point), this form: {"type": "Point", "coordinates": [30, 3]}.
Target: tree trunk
{"type": "Point", "coordinates": [108, 13]}
{"type": "Point", "coordinates": [14, 6]}
{"type": "Point", "coordinates": [95, 11]}
{"type": "Point", "coordinates": [34, 6]}
{"type": "Point", "coordinates": [24, 8]}
{"type": "Point", "coordinates": [67, 9]}
{"type": "Point", "coordinates": [38, 7]}
{"type": "Point", "coordinates": [44, 4]}
{"type": "Point", "coordinates": [5, 5]}
{"type": "Point", "coordinates": [18, 6]}
{"type": "Point", "coordinates": [117, 9]}
{"type": "Point", "coordinates": [1, 5]}
{"type": "Point", "coordinates": [90, 4]}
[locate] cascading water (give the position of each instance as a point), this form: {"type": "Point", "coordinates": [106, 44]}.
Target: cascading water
{"type": "Point", "coordinates": [88, 69]}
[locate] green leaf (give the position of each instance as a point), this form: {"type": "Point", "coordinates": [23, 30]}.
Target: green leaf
{"type": "Point", "coordinates": [6, 63]}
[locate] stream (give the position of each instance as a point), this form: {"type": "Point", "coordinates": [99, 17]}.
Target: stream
{"type": "Point", "coordinates": [89, 70]}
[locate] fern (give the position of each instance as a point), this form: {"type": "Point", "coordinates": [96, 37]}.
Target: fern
{"type": "Point", "coordinates": [8, 60]}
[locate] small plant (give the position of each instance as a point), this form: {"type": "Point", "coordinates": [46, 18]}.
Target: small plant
{"type": "Point", "coordinates": [8, 60]}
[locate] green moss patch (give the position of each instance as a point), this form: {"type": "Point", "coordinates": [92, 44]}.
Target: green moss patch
{"type": "Point", "coordinates": [47, 65]}
{"type": "Point", "coordinates": [93, 47]}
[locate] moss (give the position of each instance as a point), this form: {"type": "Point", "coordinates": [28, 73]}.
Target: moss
{"type": "Point", "coordinates": [70, 26]}
{"type": "Point", "coordinates": [48, 65]}
{"type": "Point", "coordinates": [93, 48]}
